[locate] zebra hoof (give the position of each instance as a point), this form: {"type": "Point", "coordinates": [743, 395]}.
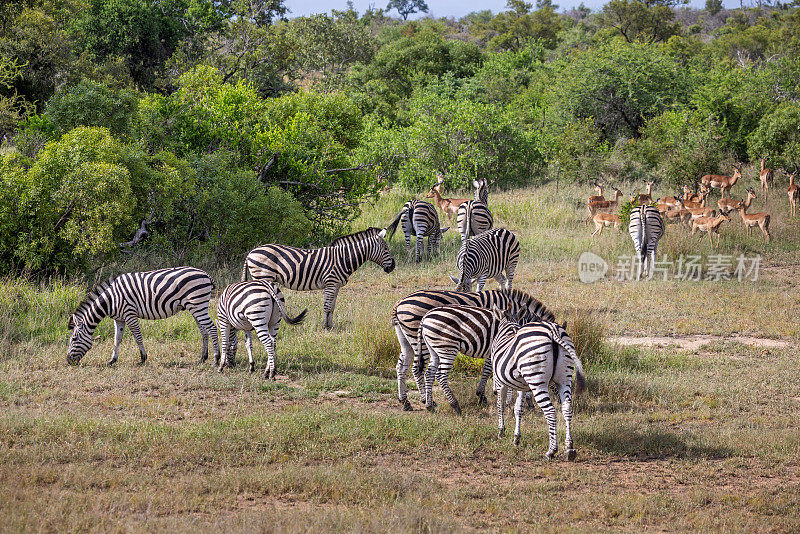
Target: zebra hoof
{"type": "Point", "coordinates": [110, 363]}
{"type": "Point", "coordinates": [549, 455]}
{"type": "Point", "coordinates": [406, 405]}
{"type": "Point", "coordinates": [456, 408]}
{"type": "Point", "coordinates": [253, 368]}
{"type": "Point", "coordinates": [143, 360]}
{"type": "Point", "coordinates": [571, 454]}
{"type": "Point", "coordinates": [482, 401]}
{"type": "Point", "coordinates": [431, 408]}
{"type": "Point", "coordinates": [272, 375]}
{"type": "Point", "coordinates": [516, 440]}
{"type": "Point", "coordinates": [501, 433]}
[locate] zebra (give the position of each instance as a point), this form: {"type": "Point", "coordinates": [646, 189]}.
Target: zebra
{"type": "Point", "coordinates": [255, 305]}
{"type": "Point", "coordinates": [487, 256]}
{"type": "Point", "coordinates": [327, 268]}
{"type": "Point", "coordinates": [143, 295]}
{"type": "Point", "coordinates": [372, 231]}
{"type": "Point", "coordinates": [448, 330]}
{"type": "Point", "coordinates": [421, 220]}
{"type": "Point", "coordinates": [646, 228]}
{"type": "Point", "coordinates": [474, 216]}
{"type": "Point", "coordinates": [409, 311]}
{"type": "Point", "coordinates": [533, 356]}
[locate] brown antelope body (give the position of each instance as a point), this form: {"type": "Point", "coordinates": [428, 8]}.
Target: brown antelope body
{"type": "Point", "coordinates": [766, 176]}
{"type": "Point", "coordinates": [448, 205]}
{"type": "Point", "coordinates": [644, 198]}
{"type": "Point", "coordinates": [700, 212]}
{"type": "Point", "coordinates": [727, 204]}
{"type": "Point", "coordinates": [710, 225]}
{"type": "Point", "coordinates": [689, 204]}
{"type": "Point", "coordinates": [793, 191]}
{"type": "Point", "coordinates": [603, 206]}
{"type": "Point", "coordinates": [678, 215]}
{"type": "Point", "coordinates": [599, 196]}
{"type": "Point", "coordinates": [722, 182]}
{"type": "Point", "coordinates": [754, 219]}
{"type": "Point", "coordinates": [691, 196]}
{"type": "Point", "coordinates": [601, 220]}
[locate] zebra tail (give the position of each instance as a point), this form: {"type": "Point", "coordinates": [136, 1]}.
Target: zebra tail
{"type": "Point", "coordinates": [420, 361]}
{"type": "Point", "coordinates": [293, 320]}
{"type": "Point", "coordinates": [244, 270]}
{"type": "Point", "coordinates": [393, 225]}
{"type": "Point", "coordinates": [580, 377]}
{"type": "Point", "coordinates": [643, 233]}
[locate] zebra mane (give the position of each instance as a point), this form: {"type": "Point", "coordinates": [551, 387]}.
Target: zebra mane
{"type": "Point", "coordinates": [521, 297]}
{"type": "Point", "coordinates": [356, 236]}
{"type": "Point", "coordinates": [90, 297]}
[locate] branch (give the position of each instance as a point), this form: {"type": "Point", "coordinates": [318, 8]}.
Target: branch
{"type": "Point", "coordinates": [362, 166]}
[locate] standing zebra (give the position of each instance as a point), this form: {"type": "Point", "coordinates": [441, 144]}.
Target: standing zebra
{"type": "Point", "coordinates": [646, 228]}
{"type": "Point", "coordinates": [448, 330]}
{"type": "Point", "coordinates": [487, 256]}
{"type": "Point", "coordinates": [144, 295]}
{"type": "Point", "coordinates": [421, 220]}
{"type": "Point", "coordinates": [256, 305]}
{"type": "Point", "coordinates": [328, 268]}
{"type": "Point", "coordinates": [530, 357]}
{"type": "Point", "coordinates": [474, 216]}
{"type": "Point", "coordinates": [409, 311]}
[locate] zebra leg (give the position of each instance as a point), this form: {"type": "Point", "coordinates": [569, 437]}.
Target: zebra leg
{"type": "Point", "coordinates": [501, 411]}
{"type": "Point", "coordinates": [403, 361]}
{"type": "Point", "coordinates": [511, 268]}
{"type": "Point", "coordinates": [133, 324]}
{"type": "Point", "coordinates": [418, 247]}
{"type": "Point", "coordinates": [119, 328]}
{"type": "Point", "coordinates": [207, 329]}
{"type": "Point", "coordinates": [268, 341]}
{"type": "Point", "coordinates": [481, 282]}
{"type": "Point", "coordinates": [430, 375]}
{"type": "Point", "coordinates": [542, 397]}
{"type": "Point", "coordinates": [518, 411]}
{"type": "Point", "coordinates": [481, 391]}
{"type": "Point", "coordinates": [248, 344]}
{"type": "Point", "coordinates": [419, 378]}
{"type": "Point", "coordinates": [331, 292]}
{"type": "Point", "coordinates": [445, 364]}
{"type": "Point", "coordinates": [565, 395]}
{"type": "Point", "coordinates": [501, 280]}
{"type": "Point", "coordinates": [224, 341]}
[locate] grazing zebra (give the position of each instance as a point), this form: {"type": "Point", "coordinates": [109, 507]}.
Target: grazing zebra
{"type": "Point", "coordinates": [409, 311]}
{"type": "Point", "coordinates": [144, 295]}
{"type": "Point", "coordinates": [531, 357]}
{"type": "Point", "coordinates": [646, 228]}
{"type": "Point", "coordinates": [474, 216]}
{"type": "Point", "coordinates": [487, 256]}
{"type": "Point", "coordinates": [357, 236]}
{"type": "Point", "coordinates": [448, 330]}
{"type": "Point", "coordinates": [256, 305]}
{"type": "Point", "coordinates": [327, 268]}
{"type": "Point", "coordinates": [421, 220]}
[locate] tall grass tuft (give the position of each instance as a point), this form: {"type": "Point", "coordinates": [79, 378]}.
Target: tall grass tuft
{"type": "Point", "coordinates": [379, 346]}
{"type": "Point", "coordinates": [587, 334]}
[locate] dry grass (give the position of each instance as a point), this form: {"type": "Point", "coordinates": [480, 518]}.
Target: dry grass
{"type": "Point", "coordinates": [668, 440]}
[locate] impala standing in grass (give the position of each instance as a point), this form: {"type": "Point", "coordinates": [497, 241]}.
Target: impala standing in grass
{"type": "Point", "coordinates": [710, 225]}
{"type": "Point", "coordinates": [753, 219]}
{"type": "Point", "coordinates": [722, 182]}
{"type": "Point", "coordinates": [793, 191]}
{"type": "Point", "coordinates": [765, 176]}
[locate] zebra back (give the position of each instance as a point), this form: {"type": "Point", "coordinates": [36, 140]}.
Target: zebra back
{"type": "Point", "coordinates": [489, 253]}
{"type": "Point", "coordinates": [356, 236]}
{"type": "Point", "coordinates": [474, 218]}
{"type": "Point", "coordinates": [646, 228]}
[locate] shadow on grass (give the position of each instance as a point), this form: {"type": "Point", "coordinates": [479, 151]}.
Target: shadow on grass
{"type": "Point", "coordinates": [651, 443]}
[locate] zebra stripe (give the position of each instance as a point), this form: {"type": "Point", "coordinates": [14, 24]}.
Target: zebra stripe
{"type": "Point", "coordinates": [531, 357]}
{"type": "Point", "coordinates": [256, 305]}
{"type": "Point", "coordinates": [409, 311]}
{"type": "Point", "coordinates": [357, 236]}
{"type": "Point", "coordinates": [421, 220]}
{"type": "Point", "coordinates": [646, 228]}
{"type": "Point", "coordinates": [487, 256]}
{"type": "Point", "coordinates": [474, 216]}
{"type": "Point", "coordinates": [143, 295]}
{"type": "Point", "coordinates": [448, 330]}
{"type": "Point", "coordinates": [327, 268]}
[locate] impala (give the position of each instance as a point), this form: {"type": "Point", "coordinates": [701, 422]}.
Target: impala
{"type": "Point", "coordinates": [722, 182]}
{"type": "Point", "coordinates": [703, 211]}
{"type": "Point", "coordinates": [646, 198]}
{"type": "Point", "coordinates": [710, 225]}
{"type": "Point", "coordinates": [448, 205]}
{"type": "Point", "coordinates": [793, 191]}
{"type": "Point", "coordinates": [599, 196]}
{"type": "Point", "coordinates": [603, 206]}
{"type": "Point", "coordinates": [766, 175]}
{"type": "Point", "coordinates": [754, 219]}
{"type": "Point", "coordinates": [691, 196]}
{"type": "Point", "coordinates": [689, 204]}
{"type": "Point", "coordinates": [601, 220]}
{"type": "Point", "coordinates": [678, 215]}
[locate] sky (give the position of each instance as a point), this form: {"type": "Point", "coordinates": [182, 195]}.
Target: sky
{"type": "Point", "coordinates": [449, 8]}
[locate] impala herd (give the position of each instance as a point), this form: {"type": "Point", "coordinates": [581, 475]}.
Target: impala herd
{"type": "Point", "coordinates": [691, 209]}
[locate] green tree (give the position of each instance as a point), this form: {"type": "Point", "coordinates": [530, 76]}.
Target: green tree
{"type": "Point", "coordinates": [407, 7]}
{"type": "Point", "coordinates": [13, 107]}
{"type": "Point", "coordinates": [713, 6]}
{"type": "Point", "coordinates": [778, 136]}
{"type": "Point", "coordinates": [642, 20]}
{"type": "Point", "coordinates": [89, 103]}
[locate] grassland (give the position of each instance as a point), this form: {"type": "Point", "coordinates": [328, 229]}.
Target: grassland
{"type": "Point", "coordinates": [668, 440]}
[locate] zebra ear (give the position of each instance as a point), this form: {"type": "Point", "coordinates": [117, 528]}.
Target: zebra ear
{"type": "Point", "coordinates": [453, 278]}
{"type": "Point", "coordinates": [71, 324]}
{"type": "Point", "coordinates": [382, 233]}
{"type": "Point", "coordinates": [446, 228]}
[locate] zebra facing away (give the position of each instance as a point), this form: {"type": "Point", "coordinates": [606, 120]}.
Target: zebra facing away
{"type": "Point", "coordinates": [448, 330]}
{"type": "Point", "coordinates": [487, 256]}
{"type": "Point", "coordinates": [646, 228]}
{"type": "Point", "coordinates": [474, 216]}
{"type": "Point", "coordinates": [531, 357]}
{"type": "Point", "coordinates": [409, 311]}
{"type": "Point", "coordinates": [143, 295]}
{"type": "Point", "coordinates": [421, 220]}
{"type": "Point", "coordinates": [256, 305]}
{"type": "Point", "coordinates": [327, 268]}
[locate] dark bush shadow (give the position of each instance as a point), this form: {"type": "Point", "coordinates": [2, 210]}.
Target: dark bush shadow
{"type": "Point", "coordinates": [650, 443]}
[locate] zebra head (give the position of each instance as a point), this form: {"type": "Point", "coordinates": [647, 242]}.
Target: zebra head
{"type": "Point", "coordinates": [530, 308]}
{"type": "Point", "coordinates": [80, 341]}
{"type": "Point", "coordinates": [508, 321]}
{"type": "Point", "coordinates": [467, 267]}
{"type": "Point", "coordinates": [379, 252]}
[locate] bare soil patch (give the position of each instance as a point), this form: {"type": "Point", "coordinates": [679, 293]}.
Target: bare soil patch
{"type": "Point", "coordinates": [695, 342]}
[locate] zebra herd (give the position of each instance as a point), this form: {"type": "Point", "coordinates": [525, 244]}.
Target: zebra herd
{"type": "Point", "coordinates": [523, 346]}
